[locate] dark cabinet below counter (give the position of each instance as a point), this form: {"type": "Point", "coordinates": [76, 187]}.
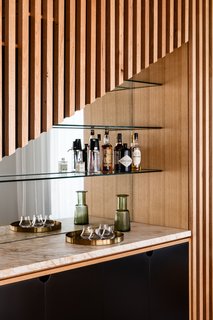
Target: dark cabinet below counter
{"type": "Point", "coordinates": [146, 286]}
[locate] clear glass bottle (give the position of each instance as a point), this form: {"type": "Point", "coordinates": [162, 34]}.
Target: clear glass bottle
{"type": "Point", "coordinates": [136, 154]}
{"type": "Point", "coordinates": [107, 154]}
{"type": "Point", "coordinates": [62, 165]}
{"type": "Point", "coordinates": [81, 209]}
{"type": "Point", "coordinates": [93, 161]}
{"type": "Point", "coordinates": [126, 160]}
{"type": "Point", "coordinates": [122, 216]}
{"type": "Point", "coordinates": [117, 153]}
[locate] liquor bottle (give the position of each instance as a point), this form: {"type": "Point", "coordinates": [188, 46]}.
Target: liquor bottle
{"type": "Point", "coordinates": [107, 154]}
{"type": "Point", "coordinates": [126, 160]}
{"type": "Point", "coordinates": [136, 154]}
{"type": "Point", "coordinates": [93, 160]}
{"type": "Point", "coordinates": [117, 153]}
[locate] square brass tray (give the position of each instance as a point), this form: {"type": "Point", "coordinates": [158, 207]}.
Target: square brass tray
{"type": "Point", "coordinates": [75, 238]}
{"type": "Point", "coordinates": [15, 227]}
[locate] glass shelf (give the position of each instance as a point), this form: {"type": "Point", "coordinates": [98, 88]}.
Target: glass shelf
{"type": "Point", "coordinates": [103, 127]}
{"type": "Point", "coordinates": [135, 84]}
{"type": "Point", "coordinates": [64, 175]}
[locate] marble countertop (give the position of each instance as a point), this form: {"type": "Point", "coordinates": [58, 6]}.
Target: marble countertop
{"type": "Point", "coordinates": [31, 253]}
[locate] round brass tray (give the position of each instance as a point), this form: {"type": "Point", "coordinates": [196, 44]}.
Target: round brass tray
{"type": "Point", "coordinates": [74, 238]}
{"type": "Point", "coordinates": [15, 227]}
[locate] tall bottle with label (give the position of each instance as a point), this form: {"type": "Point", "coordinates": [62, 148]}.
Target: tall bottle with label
{"type": "Point", "coordinates": [117, 153]}
{"type": "Point", "coordinates": [136, 154]}
{"type": "Point", "coordinates": [106, 154]}
{"type": "Point", "coordinates": [126, 160]}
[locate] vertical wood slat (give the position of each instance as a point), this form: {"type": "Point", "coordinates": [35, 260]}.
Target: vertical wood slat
{"type": "Point", "coordinates": [70, 58]}
{"type": "Point", "coordinates": [145, 34]}
{"type": "Point", "coordinates": [136, 36]}
{"type": "Point", "coordinates": [35, 70]}
{"type": "Point", "coordinates": [164, 21]}
{"type": "Point", "coordinates": [128, 39]}
{"type": "Point", "coordinates": [1, 80]}
{"type": "Point", "coordinates": [23, 72]}
{"type": "Point", "coordinates": [47, 71]}
{"type": "Point", "coordinates": [119, 42]}
{"type": "Point", "coordinates": [170, 26]}
{"type": "Point", "coordinates": [155, 31]}
{"type": "Point", "coordinates": [186, 21]}
{"type": "Point", "coordinates": [101, 49]}
{"type": "Point", "coordinates": [58, 113]}
{"type": "Point", "coordinates": [110, 45]}
{"type": "Point", "coordinates": [91, 52]}
{"type": "Point", "coordinates": [10, 81]}
{"type": "Point", "coordinates": [179, 24]}
{"type": "Point", "coordinates": [80, 54]}
{"type": "Point", "coordinates": [207, 160]}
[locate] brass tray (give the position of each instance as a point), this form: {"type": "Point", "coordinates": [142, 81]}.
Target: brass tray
{"type": "Point", "coordinates": [15, 227]}
{"type": "Point", "coordinates": [74, 238]}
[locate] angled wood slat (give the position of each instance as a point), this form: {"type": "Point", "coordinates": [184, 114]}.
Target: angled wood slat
{"type": "Point", "coordinates": [70, 44]}
{"type": "Point", "coordinates": [80, 87]}
{"type": "Point", "coordinates": [170, 26]}
{"type": "Point", "coordinates": [58, 73]}
{"type": "Point", "coordinates": [110, 45]}
{"type": "Point", "coordinates": [128, 39]}
{"type": "Point", "coordinates": [10, 80]}
{"type": "Point", "coordinates": [35, 70]}
{"type": "Point", "coordinates": [91, 52]}
{"type": "Point", "coordinates": [137, 10]}
{"type": "Point", "coordinates": [119, 42]}
{"type": "Point", "coordinates": [47, 65]}
{"type": "Point", "coordinates": [101, 49]}
{"type": "Point", "coordinates": [23, 72]}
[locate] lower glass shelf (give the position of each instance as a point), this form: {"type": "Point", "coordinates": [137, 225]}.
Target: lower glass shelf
{"type": "Point", "coordinates": [65, 175]}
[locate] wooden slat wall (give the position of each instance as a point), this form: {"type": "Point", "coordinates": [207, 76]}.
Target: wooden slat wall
{"type": "Point", "coordinates": [62, 54]}
{"type": "Point", "coordinates": [201, 160]}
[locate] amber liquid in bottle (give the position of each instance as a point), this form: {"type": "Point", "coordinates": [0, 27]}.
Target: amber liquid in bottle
{"type": "Point", "coordinates": [107, 154]}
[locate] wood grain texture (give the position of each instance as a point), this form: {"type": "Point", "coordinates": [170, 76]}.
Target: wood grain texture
{"type": "Point", "coordinates": [91, 52]}
{"type": "Point", "coordinates": [47, 65]}
{"type": "Point", "coordinates": [35, 70]}
{"type": "Point", "coordinates": [119, 42]}
{"type": "Point", "coordinates": [128, 39]}
{"type": "Point", "coordinates": [110, 45]}
{"type": "Point", "coordinates": [23, 73]}
{"type": "Point", "coordinates": [170, 26]}
{"type": "Point", "coordinates": [101, 49]}
{"type": "Point", "coordinates": [137, 11]}
{"type": "Point", "coordinates": [70, 44]}
{"type": "Point", "coordinates": [155, 31]}
{"type": "Point", "coordinates": [163, 198]}
{"type": "Point", "coordinates": [10, 78]}
{"type": "Point", "coordinates": [58, 76]}
{"type": "Point", "coordinates": [201, 128]}
{"type": "Point", "coordinates": [80, 87]}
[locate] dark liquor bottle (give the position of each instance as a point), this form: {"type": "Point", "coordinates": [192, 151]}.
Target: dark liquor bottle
{"type": "Point", "coordinates": [117, 153]}
{"type": "Point", "coordinates": [107, 154]}
{"type": "Point", "coordinates": [126, 160]}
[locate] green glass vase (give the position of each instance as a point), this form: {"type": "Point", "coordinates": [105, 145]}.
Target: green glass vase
{"type": "Point", "coordinates": [81, 209]}
{"type": "Point", "coordinates": [122, 216]}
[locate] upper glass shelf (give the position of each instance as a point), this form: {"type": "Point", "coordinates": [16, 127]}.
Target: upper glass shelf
{"type": "Point", "coordinates": [135, 84]}
{"type": "Point", "coordinates": [64, 175]}
{"type": "Point", "coordinates": [103, 127]}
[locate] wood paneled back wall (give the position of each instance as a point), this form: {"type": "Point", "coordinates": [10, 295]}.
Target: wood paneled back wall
{"type": "Point", "coordinates": [59, 55]}
{"type": "Point", "coordinates": [201, 151]}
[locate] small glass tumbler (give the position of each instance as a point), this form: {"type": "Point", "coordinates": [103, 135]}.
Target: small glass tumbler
{"type": "Point", "coordinates": [48, 221]}
{"type": "Point", "coordinates": [25, 222]}
{"type": "Point", "coordinates": [37, 221]}
{"type": "Point", "coordinates": [86, 232]}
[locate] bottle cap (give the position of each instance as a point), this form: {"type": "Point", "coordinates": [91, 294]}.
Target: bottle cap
{"type": "Point", "coordinates": [94, 143]}
{"type": "Point", "coordinates": [119, 137]}
{"type": "Point", "coordinates": [99, 137]}
{"type": "Point", "coordinates": [92, 132]}
{"type": "Point", "coordinates": [106, 131]}
{"type": "Point", "coordinates": [136, 136]}
{"type": "Point", "coordinates": [125, 146]}
{"type": "Point", "coordinates": [78, 144]}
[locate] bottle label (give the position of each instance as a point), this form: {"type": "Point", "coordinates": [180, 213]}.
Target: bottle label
{"type": "Point", "coordinates": [126, 161]}
{"type": "Point", "coordinates": [136, 157]}
{"type": "Point", "coordinates": [107, 157]}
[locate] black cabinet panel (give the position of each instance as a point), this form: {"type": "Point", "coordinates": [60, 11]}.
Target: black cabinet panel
{"type": "Point", "coordinates": [75, 294]}
{"type": "Point", "coordinates": [169, 283]}
{"type": "Point", "coordinates": [126, 288]}
{"type": "Point", "coordinates": [23, 300]}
